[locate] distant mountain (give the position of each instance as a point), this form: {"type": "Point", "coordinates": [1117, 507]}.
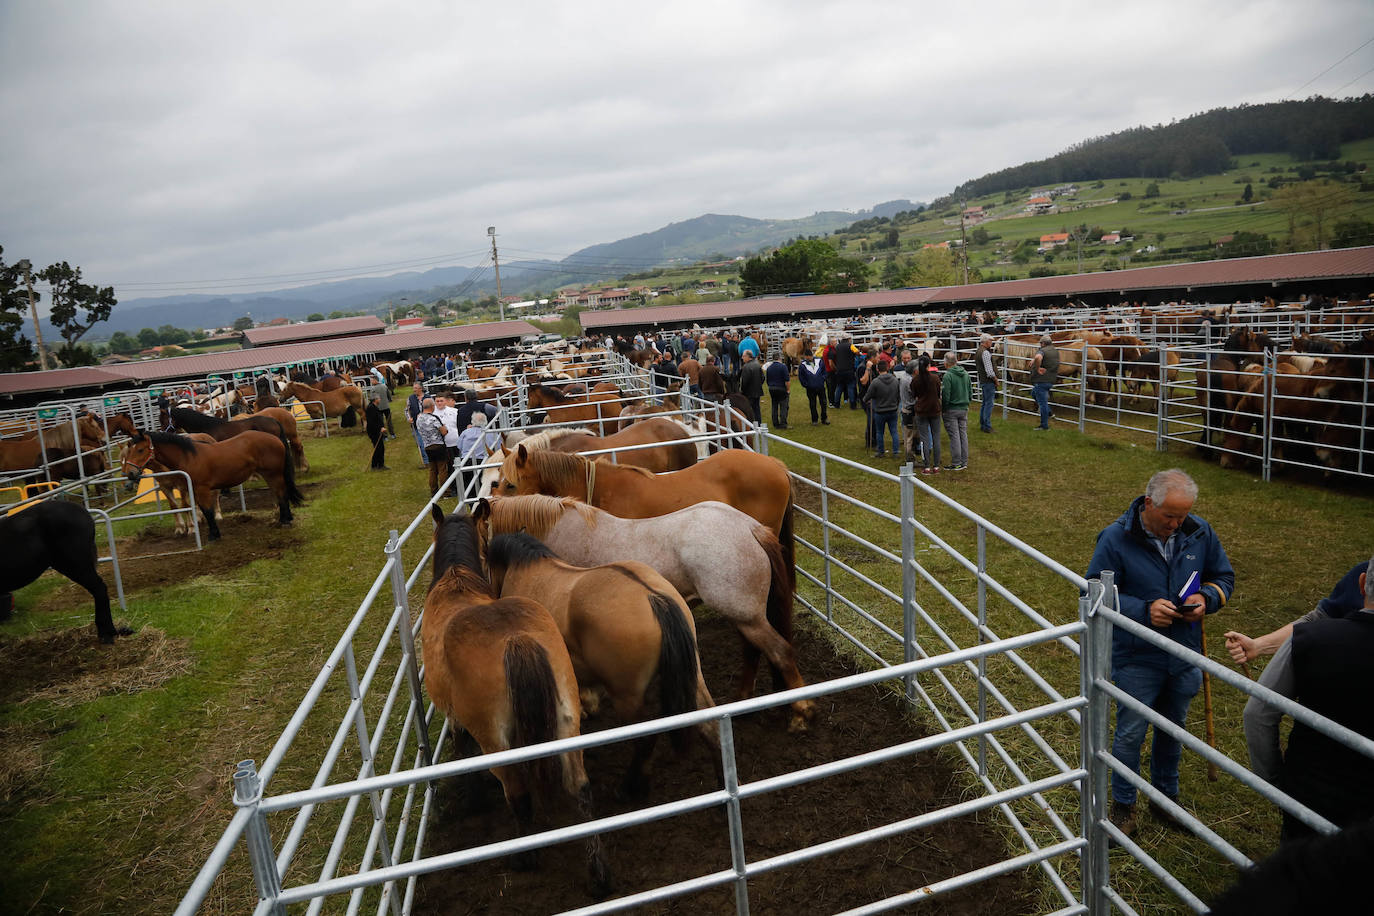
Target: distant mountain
{"type": "Point", "coordinates": [711, 235]}
{"type": "Point", "coordinates": [690, 240]}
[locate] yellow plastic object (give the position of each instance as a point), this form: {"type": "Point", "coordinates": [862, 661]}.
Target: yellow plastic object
{"type": "Point", "coordinates": [147, 490]}
{"type": "Point", "coordinates": [299, 412]}
{"type": "Point", "coordinates": [27, 491]}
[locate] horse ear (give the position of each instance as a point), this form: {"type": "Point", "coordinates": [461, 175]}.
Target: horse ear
{"type": "Point", "coordinates": [521, 455]}
{"type": "Point", "coordinates": [437, 514]}
{"type": "Point", "coordinates": [482, 510]}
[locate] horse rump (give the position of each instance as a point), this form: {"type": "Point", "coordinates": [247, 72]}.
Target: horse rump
{"type": "Point", "coordinates": [534, 710]}
{"type": "Point", "coordinates": [677, 664]}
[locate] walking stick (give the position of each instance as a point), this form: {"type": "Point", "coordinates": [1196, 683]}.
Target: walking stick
{"type": "Point", "coordinates": [1207, 708]}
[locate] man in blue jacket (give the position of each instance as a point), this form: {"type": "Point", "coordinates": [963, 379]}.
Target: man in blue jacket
{"type": "Point", "coordinates": [1155, 549]}
{"type": "Point", "coordinates": [779, 380]}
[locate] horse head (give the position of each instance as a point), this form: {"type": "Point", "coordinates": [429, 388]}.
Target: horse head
{"type": "Point", "coordinates": [135, 456]}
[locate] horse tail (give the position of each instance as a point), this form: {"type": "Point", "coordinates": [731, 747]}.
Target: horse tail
{"type": "Point", "coordinates": [288, 472]}
{"type": "Point", "coordinates": [788, 540]}
{"type": "Point", "coordinates": [781, 585]}
{"type": "Point", "coordinates": [677, 663]}
{"type": "Point", "coordinates": [533, 695]}
{"type": "Point", "coordinates": [349, 418]}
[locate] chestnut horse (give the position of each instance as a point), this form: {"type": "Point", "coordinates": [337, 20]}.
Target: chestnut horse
{"type": "Point", "coordinates": [712, 553]}
{"type": "Point", "coordinates": [216, 466]}
{"type": "Point", "coordinates": [276, 421]}
{"type": "Point", "coordinates": [499, 669]}
{"type": "Point", "coordinates": [345, 402]}
{"type": "Point", "coordinates": [623, 624]}
{"type": "Point", "coordinates": [674, 455]}
{"type": "Point", "coordinates": [595, 406]}
{"type": "Point", "coordinates": [122, 422]}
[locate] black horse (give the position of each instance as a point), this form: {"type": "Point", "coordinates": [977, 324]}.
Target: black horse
{"type": "Point", "coordinates": [57, 535]}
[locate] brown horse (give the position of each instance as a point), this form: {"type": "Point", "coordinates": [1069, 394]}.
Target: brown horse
{"type": "Point", "coordinates": [499, 669]}
{"type": "Point", "coordinates": [623, 624]}
{"type": "Point", "coordinates": [345, 402]}
{"type": "Point", "coordinates": [793, 349]}
{"type": "Point", "coordinates": [595, 406]}
{"type": "Point", "coordinates": [58, 444]}
{"type": "Point", "coordinates": [170, 487]}
{"type": "Point", "coordinates": [712, 553]}
{"type": "Point", "coordinates": [275, 421]}
{"type": "Point", "coordinates": [1144, 370]}
{"type": "Point", "coordinates": [674, 455]}
{"type": "Point", "coordinates": [755, 484]}
{"type": "Point", "coordinates": [215, 467]}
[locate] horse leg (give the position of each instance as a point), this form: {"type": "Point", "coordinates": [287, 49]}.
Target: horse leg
{"type": "Point", "coordinates": [82, 571]}
{"type": "Point", "coordinates": [209, 508]}
{"type": "Point", "coordinates": [474, 789]}
{"type": "Point", "coordinates": [575, 780]}
{"type": "Point", "coordinates": [762, 637]}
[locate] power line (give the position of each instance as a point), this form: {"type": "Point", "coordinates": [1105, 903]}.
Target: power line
{"type": "Point", "coordinates": [1355, 80]}
{"type": "Point", "coordinates": [1329, 69]}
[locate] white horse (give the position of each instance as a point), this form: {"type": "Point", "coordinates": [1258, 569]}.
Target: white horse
{"type": "Point", "coordinates": [711, 552]}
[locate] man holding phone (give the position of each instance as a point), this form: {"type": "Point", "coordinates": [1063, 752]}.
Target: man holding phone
{"type": "Point", "coordinates": [1170, 570]}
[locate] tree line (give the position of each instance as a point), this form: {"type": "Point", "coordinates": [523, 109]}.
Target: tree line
{"type": "Point", "coordinates": [1199, 145]}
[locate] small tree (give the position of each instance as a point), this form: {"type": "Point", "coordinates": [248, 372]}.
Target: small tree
{"type": "Point", "coordinates": [314, 316]}
{"type": "Point", "coordinates": [15, 349]}
{"type": "Point", "coordinates": [243, 323]}
{"type": "Point", "coordinates": [69, 295]}
{"type": "Point", "coordinates": [1248, 194]}
{"type": "Point", "coordinates": [1152, 189]}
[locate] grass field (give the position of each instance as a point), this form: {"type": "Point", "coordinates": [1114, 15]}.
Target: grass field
{"type": "Point", "coordinates": [110, 800]}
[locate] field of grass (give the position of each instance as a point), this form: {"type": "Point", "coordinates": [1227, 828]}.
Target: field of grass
{"type": "Point", "coordinates": [119, 796]}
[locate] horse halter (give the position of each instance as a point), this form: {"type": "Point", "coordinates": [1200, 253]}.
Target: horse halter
{"type": "Point", "coordinates": [125, 463]}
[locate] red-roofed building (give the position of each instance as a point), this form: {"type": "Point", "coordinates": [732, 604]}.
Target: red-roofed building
{"type": "Point", "coordinates": [1053, 240]}
{"type": "Point", "coordinates": [1039, 205]}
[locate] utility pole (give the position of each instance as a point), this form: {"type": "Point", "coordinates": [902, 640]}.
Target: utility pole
{"type": "Point", "coordinates": [491, 231]}
{"type": "Point", "coordinates": [963, 242]}
{"type": "Point", "coordinates": [1079, 234]}
{"type": "Point", "coordinates": [27, 266]}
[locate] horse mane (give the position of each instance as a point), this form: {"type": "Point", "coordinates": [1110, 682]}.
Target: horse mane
{"type": "Point", "coordinates": [185, 443]}
{"type": "Point", "coordinates": [457, 557]}
{"type": "Point", "coordinates": [516, 549]}
{"type": "Point", "coordinates": [545, 438]}
{"type": "Point", "coordinates": [560, 469]}
{"type": "Point", "coordinates": [195, 421]}
{"type": "Point", "coordinates": [535, 513]}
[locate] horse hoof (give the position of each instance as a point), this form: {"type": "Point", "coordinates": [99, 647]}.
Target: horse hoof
{"type": "Point", "coordinates": [798, 725]}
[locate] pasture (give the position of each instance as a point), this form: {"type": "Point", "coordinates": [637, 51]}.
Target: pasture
{"type": "Point", "coordinates": [113, 794]}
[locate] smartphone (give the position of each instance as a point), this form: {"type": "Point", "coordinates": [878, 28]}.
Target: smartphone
{"type": "Point", "coordinates": [1191, 608]}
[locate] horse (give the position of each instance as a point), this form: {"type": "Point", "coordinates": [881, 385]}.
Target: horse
{"type": "Point", "coordinates": [1144, 370]}
{"type": "Point", "coordinates": [344, 402]}
{"type": "Point", "coordinates": [623, 624]}
{"type": "Point", "coordinates": [59, 445]}
{"type": "Point", "coordinates": [265, 393]}
{"type": "Point", "coordinates": [170, 486]}
{"type": "Point", "coordinates": [53, 534]}
{"type": "Point", "coordinates": [501, 672]}
{"type": "Point", "coordinates": [597, 406]}
{"type": "Point", "coordinates": [674, 454]}
{"type": "Point", "coordinates": [275, 421]}
{"type": "Point", "coordinates": [793, 349]}
{"type": "Point", "coordinates": [757, 485]}
{"type": "Point", "coordinates": [215, 467]}
{"type": "Point", "coordinates": [711, 553]}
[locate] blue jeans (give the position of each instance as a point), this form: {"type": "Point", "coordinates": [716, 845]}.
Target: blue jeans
{"type": "Point", "coordinates": [989, 390]}
{"type": "Point", "coordinates": [886, 421]}
{"type": "Point", "coordinates": [928, 428]}
{"type": "Point", "coordinates": [424, 459]}
{"type": "Point", "coordinates": [1169, 695]}
{"type": "Point", "coordinates": [1041, 393]}
{"type": "Point", "coordinates": [846, 389]}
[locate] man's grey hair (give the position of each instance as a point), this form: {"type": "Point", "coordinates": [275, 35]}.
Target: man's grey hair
{"type": "Point", "coordinates": [986, 338]}
{"type": "Point", "coordinates": [950, 358]}
{"type": "Point", "coordinates": [427, 404]}
{"type": "Point", "coordinates": [1174, 480]}
{"type": "Point", "coordinates": [1046, 339]}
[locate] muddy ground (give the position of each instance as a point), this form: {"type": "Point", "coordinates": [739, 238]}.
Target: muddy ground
{"type": "Point", "coordinates": [697, 844]}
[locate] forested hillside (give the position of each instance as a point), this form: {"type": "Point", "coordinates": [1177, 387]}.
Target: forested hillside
{"type": "Point", "coordinates": [1311, 129]}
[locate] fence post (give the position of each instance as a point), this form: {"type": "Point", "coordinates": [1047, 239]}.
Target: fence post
{"type": "Point", "coordinates": [248, 794]}
{"type": "Point", "coordinates": [825, 544]}
{"type": "Point", "coordinates": [1267, 412]}
{"type": "Point", "coordinates": [1094, 663]}
{"type": "Point", "coordinates": [1161, 444]}
{"type": "Point", "coordinates": [761, 439]}
{"type": "Point", "coordinates": [402, 599]}
{"type": "Point", "coordinates": [1083, 388]}
{"type": "Point", "coordinates": [907, 485]}
{"type": "Point", "coordinates": [732, 815]}
{"type": "Point", "coordinates": [982, 659]}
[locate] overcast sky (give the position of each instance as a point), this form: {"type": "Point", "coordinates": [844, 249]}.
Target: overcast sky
{"type": "Point", "coordinates": [164, 147]}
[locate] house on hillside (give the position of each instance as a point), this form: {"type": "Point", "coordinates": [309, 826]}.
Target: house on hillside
{"type": "Point", "coordinates": [1053, 240]}
{"type": "Point", "coordinates": [409, 324]}
{"type": "Point", "coordinates": [1039, 205]}
{"type": "Point", "coordinates": [974, 214]}
{"type": "Point", "coordinates": [1111, 238]}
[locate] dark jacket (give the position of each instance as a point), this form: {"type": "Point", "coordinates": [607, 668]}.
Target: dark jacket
{"type": "Point", "coordinates": [842, 356]}
{"type": "Point", "coordinates": [374, 422]}
{"type": "Point", "coordinates": [925, 385]}
{"type": "Point", "coordinates": [1142, 576]}
{"type": "Point", "coordinates": [812, 379]}
{"type": "Point", "coordinates": [1331, 676]}
{"type": "Point", "coordinates": [1049, 361]}
{"type": "Point", "coordinates": [883, 393]}
{"type": "Point", "coordinates": [778, 375]}
{"type": "Point", "coordinates": [751, 380]}
{"type": "Point", "coordinates": [987, 366]}
{"type": "Point", "coordinates": [468, 408]}
{"type": "Point", "coordinates": [666, 375]}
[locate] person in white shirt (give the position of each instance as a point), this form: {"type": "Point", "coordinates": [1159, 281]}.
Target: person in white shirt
{"type": "Point", "coordinates": [447, 412]}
